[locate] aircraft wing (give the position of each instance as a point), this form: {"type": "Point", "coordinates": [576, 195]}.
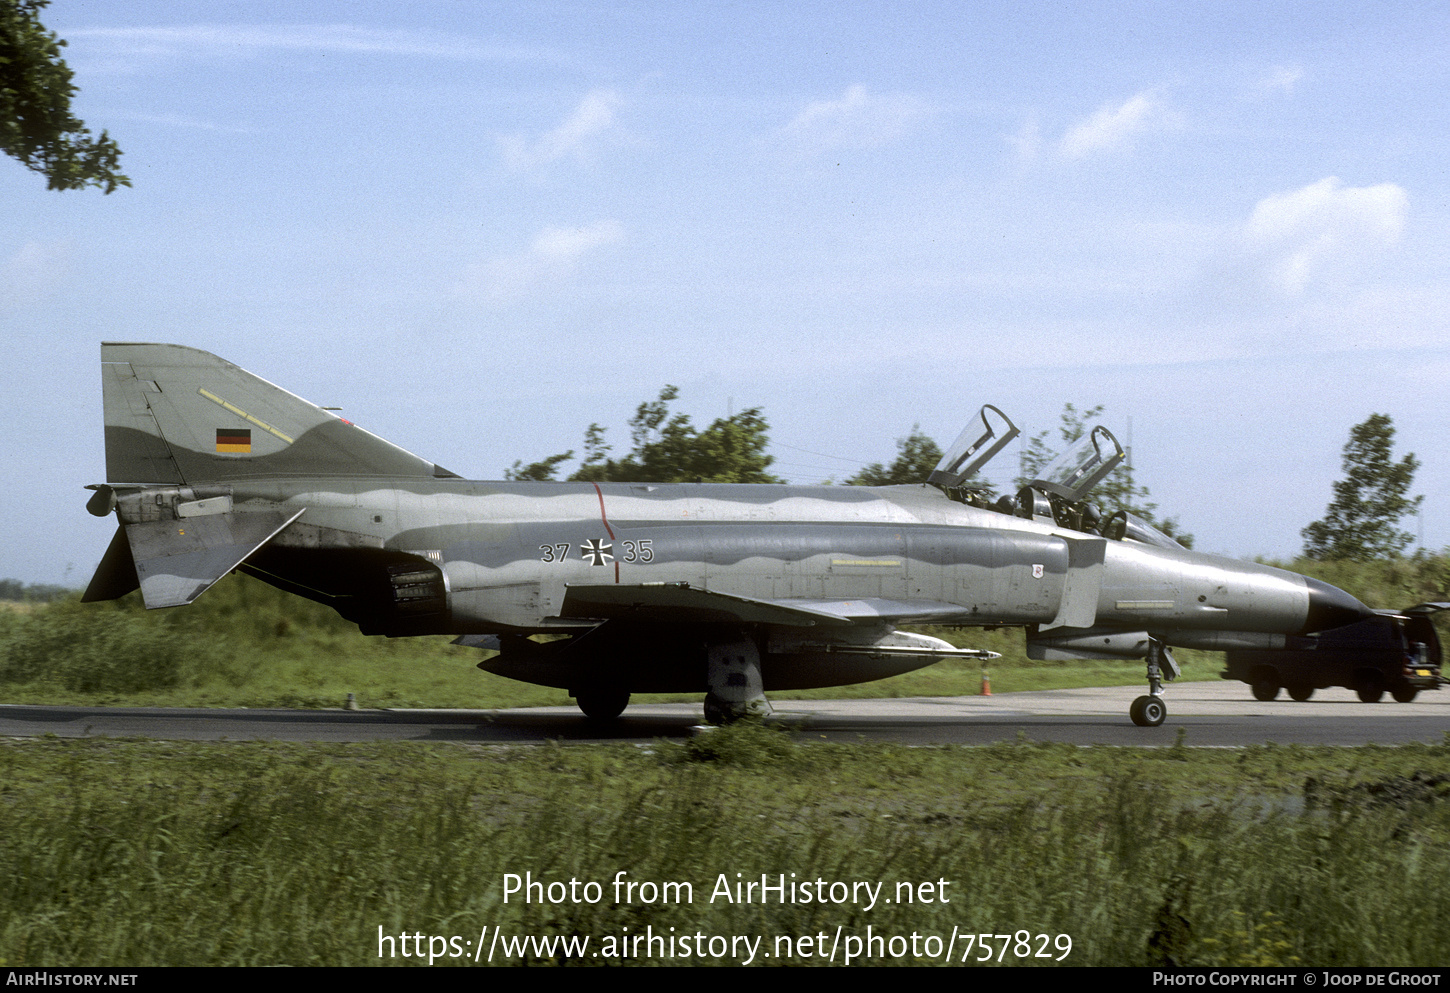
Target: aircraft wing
{"type": "Point", "coordinates": [681, 602]}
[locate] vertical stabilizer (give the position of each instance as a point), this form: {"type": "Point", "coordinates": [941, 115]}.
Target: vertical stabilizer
{"type": "Point", "coordinates": [180, 415]}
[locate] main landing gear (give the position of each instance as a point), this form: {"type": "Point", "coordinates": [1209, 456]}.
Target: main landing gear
{"type": "Point", "coordinates": [602, 703]}
{"type": "Point", "coordinates": [1150, 711]}
{"type": "Point", "coordinates": [733, 675]}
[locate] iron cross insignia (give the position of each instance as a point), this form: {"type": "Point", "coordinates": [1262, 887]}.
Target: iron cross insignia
{"type": "Point", "coordinates": [596, 551]}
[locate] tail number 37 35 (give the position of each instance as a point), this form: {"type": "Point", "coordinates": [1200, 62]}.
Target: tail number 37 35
{"type": "Point", "coordinates": [641, 550]}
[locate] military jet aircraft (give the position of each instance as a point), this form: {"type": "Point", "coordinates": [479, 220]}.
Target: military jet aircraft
{"type": "Point", "coordinates": [730, 590]}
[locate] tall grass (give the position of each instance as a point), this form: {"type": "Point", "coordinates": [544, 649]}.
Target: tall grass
{"type": "Point", "coordinates": [150, 854]}
{"type": "Point", "coordinates": [241, 644]}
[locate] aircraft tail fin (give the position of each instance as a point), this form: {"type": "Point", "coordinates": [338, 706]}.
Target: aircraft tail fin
{"type": "Point", "coordinates": [177, 415]}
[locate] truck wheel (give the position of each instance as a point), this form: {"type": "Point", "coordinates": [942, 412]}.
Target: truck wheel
{"type": "Point", "coordinates": [1404, 694]}
{"type": "Point", "coordinates": [1300, 692]}
{"type": "Point", "coordinates": [1370, 687]}
{"type": "Point", "coordinates": [1265, 688]}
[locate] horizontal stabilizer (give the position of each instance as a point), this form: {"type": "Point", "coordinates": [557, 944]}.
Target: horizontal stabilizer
{"type": "Point", "coordinates": [681, 602]}
{"type": "Point", "coordinates": [178, 561]}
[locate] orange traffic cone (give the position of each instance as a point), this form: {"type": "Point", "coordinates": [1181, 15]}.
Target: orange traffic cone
{"type": "Point", "coordinates": [986, 683]}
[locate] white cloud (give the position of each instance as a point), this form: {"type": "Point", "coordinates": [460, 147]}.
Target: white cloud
{"type": "Point", "coordinates": [1114, 125]}
{"type": "Point", "coordinates": [1318, 230]}
{"type": "Point", "coordinates": [554, 254]}
{"type": "Point", "coordinates": [857, 120]}
{"type": "Point", "coordinates": [593, 116]}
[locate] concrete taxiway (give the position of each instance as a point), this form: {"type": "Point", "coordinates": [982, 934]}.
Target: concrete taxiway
{"type": "Point", "coordinates": [1209, 713]}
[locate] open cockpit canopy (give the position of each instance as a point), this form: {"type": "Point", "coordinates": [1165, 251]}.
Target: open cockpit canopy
{"type": "Point", "coordinates": [973, 449]}
{"type": "Point", "coordinates": [1077, 470]}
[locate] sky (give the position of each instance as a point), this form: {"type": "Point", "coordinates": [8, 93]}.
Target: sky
{"type": "Point", "coordinates": [479, 228]}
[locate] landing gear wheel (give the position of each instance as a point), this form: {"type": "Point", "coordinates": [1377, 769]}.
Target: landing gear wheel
{"type": "Point", "coordinates": [1300, 692]}
{"type": "Point", "coordinates": [1370, 688]}
{"type": "Point", "coordinates": [602, 705]}
{"type": "Point", "coordinates": [1404, 694]}
{"type": "Point", "coordinates": [716, 712]}
{"type": "Point", "coordinates": [1148, 711]}
{"type": "Point", "coordinates": [1265, 689]}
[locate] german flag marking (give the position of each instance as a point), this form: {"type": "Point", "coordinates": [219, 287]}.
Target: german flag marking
{"type": "Point", "coordinates": [237, 441]}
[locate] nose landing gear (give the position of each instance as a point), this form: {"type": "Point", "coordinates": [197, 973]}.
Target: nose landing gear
{"type": "Point", "coordinates": [1150, 711]}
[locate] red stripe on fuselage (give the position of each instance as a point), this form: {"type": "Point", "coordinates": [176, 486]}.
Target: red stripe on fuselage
{"type": "Point", "coordinates": [605, 518]}
{"type": "Point", "coordinates": [602, 516]}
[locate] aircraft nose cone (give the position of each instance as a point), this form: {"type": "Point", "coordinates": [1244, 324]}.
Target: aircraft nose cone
{"type": "Point", "coordinates": [1331, 607]}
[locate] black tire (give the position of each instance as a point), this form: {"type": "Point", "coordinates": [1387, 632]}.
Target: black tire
{"type": "Point", "coordinates": [1265, 688]}
{"type": "Point", "coordinates": [1300, 692]}
{"type": "Point", "coordinates": [602, 705]}
{"type": "Point", "coordinates": [1148, 711]}
{"type": "Point", "coordinates": [1404, 694]}
{"type": "Point", "coordinates": [1370, 687]}
{"type": "Point", "coordinates": [716, 712]}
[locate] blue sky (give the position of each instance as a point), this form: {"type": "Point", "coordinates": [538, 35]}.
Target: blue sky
{"type": "Point", "coordinates": [480, 227]}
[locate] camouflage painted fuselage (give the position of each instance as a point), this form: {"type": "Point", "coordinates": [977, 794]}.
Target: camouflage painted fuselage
{"type": "Point", "coordinates": [643, 578]}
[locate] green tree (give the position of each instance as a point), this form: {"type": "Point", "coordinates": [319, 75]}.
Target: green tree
{"type": "Point", "coordinates": [1118, 492]}
{"type": "Point", "coordinates": [36, 124]}
{"type": "Point", "coordinates": [668, 448]}
{"type": "Point", "coordinates": [1362, 521]}
{"type": "Point", "coordinates": [538, 472]}
{"type": "Point", "coordinates": [916, 456]}
{"type": "Point", "coordinates": [595, 467]}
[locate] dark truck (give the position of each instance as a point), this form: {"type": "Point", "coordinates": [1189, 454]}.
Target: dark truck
{"type": "Point", "coordinates": [1397, 651]}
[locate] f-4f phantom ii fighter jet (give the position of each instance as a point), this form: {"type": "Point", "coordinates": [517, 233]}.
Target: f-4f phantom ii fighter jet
{"type": "Point", "coordinates": [730, 590]}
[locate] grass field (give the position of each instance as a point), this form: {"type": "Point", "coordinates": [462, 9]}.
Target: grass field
{"type": "Point", "coordinates": [143, 853]}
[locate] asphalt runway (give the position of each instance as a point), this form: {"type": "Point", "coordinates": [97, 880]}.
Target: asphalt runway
{"type": "Point", "coordinates": [1219, 714]}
